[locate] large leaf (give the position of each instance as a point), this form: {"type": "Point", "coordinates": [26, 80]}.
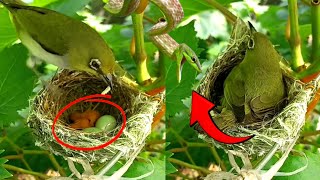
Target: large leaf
{"type": "Point", "coordinates": [68, 7]}
{"type": "Point", "coordinates": [298, 161]}
{"type": "Point", "coordinates": [176, 92]}
{"type": "Point", "coordinates": [3, 172]}
{"type": "Point", "coordinates": [16, 83]}
{"type": "Point", "coordinates": [142, 167]}
{"type": "Point", "coordinates": [7, 31]}
{"type": "Point", "coordinates": [169, 167]}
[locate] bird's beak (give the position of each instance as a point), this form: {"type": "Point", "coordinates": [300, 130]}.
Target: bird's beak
{"type": "Point", "coordinates": [107, 79]}
{"type": "Point", "coordinates": [252, 27]}
{"type": "Point", "coordinates": [179, 69]}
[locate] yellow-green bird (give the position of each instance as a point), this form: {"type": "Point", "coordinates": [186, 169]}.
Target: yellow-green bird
{"type": "Point", "coordinates": [61, 40]}
{"type": "Point", "coordinates": [254, 89]}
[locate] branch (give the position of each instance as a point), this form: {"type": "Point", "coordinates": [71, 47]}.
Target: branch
{"type": "Point", "coordinates": [16, 169]}
{"type": "Point", "coordinates": [139, 52]}
{"type": "Point", "coordinates": [184, 164]}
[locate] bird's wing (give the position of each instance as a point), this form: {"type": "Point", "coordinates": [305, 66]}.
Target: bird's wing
{"type": "Point", "coordinates": [234, 93]}
{"type": "Point", "coordinates": [262, 107]}
{"type": "Point", "coordinates": [48, 28]}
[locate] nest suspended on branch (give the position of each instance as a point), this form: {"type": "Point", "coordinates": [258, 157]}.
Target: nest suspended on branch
{"type": "Point", "coordinates": [282, 128]}
{"type": "Point", "coordinates": [67, 86]}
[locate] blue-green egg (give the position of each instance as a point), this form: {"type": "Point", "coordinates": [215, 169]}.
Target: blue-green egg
{"type": "Point", "coordinates": [106, 123]}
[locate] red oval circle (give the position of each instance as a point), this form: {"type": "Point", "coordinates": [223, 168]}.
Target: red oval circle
{"type": "Point", "coordinates": [90, 99]}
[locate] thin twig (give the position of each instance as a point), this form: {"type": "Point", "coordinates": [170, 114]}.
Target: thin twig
{"type": "Point", "coordinates": [57, 165]}
{"type": "Point", "coordinates": [184, 164]}
{"type": "Point", "coordinates": [218, 159]}
{"type": "Point", "coordinates": [17, 169]}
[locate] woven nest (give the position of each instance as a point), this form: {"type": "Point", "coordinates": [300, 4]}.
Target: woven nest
{"type": "Point", "coordinates": [67, 86]}
{"type": "Point", "coordinates": [282, 128]}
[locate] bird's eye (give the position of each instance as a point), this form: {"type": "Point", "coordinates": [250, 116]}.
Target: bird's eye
{"type": "Point", "coordinates": [162, 19]}
{"type": "Point", "coordinates": [251, 43]}
{"type": "Point", "coordinates": [95, 64]}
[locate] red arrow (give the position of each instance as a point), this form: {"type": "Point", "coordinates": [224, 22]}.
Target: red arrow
{"type": "Point", "coordinates": [200, 113]}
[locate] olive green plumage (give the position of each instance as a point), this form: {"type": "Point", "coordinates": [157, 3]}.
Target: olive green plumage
{"type": "Point", "coordinates": [254, 88]}
{"type": "Point", "coordinates": [61, 40]}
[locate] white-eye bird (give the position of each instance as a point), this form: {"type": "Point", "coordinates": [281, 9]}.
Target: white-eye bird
{"type": "Point", "coordinates": [254, 89]}
{"type": "Point", "coordinates": [62, 41]}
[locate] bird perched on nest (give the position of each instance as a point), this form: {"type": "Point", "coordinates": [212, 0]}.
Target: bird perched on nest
{"type": "Point", "coordinates": [61, 40]}
{"type": "Point", "coordinates": [254, 89]}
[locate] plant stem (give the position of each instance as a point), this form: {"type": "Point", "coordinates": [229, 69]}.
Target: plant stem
{"type": "Point", "coordinates": [177, 150]}
{"type": "Point", "coordinates": [154, 142]}
{"type": "Point", "coordinates": [183, 143]}
{"type": "Point", "coordinates": [35, 152]}
{"type": "Point", "coordinates": [227, 14]}
{"type": "Point", "coordinates": [140, 53]}
{"type": "Point", "coordinates": [16, 169]}
{"type": "Point", "coordinates": [57, 165]}
{"type": "Point", "coordinates": [218, 159]}
{"type": "Point", "coordinates": [295, 41]}
{"type": "Point", "coordinates": [184, 164]}
{"type": "Point", "coordinates": [192, 144]}
{"type": "Point", "coordinates": [38, 152]}
{"type": "Point", "coordinates": [315, 19]}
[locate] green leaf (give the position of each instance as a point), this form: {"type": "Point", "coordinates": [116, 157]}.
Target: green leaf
{"type": "Point", "coordinates": [119, 38]}
{"type": "Point", "coordinates": [16, 83]}
{"type": "Point", "coordinates": [141, 167]}
{"type": "Point", "coordinates": [169, 167]}
{"type": "Point", "coordinates": [68, 7]}
{"type": "Point", "coordinates": [297, 161]}
{"type": "Point", "coordinates": [3, 172]}
{"type": "Point", "coordinates": [7, 31]}
{"type": "Point", "coordinates": [176, 92]}
{"type": "Point", "coordinates": [179, 121]}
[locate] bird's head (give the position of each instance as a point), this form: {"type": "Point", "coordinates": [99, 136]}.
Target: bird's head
{"type": "Point", "coordinates": [188, 56]}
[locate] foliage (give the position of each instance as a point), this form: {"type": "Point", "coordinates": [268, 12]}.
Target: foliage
{"type": "Point", "coordinates": [3, 172]}
{"type": "Point", "coordinates": [204, 29]}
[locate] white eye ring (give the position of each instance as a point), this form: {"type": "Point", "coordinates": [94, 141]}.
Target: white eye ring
{"type": "Point", "coordinates": [95, 64]}
{"type": "Point", "coordinates": [251, 43]}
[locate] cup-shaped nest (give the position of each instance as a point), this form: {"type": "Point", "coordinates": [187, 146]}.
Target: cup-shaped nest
{"type": "Point", "coordinates": [281, 129]}
{"type": "Point", "coordinates": [67, 86]}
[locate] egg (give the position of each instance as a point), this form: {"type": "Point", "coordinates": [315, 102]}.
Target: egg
{"type": "Point", "coordinates": [106, 123]}
{"type": "Point", "coordinates": [92, 130]}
